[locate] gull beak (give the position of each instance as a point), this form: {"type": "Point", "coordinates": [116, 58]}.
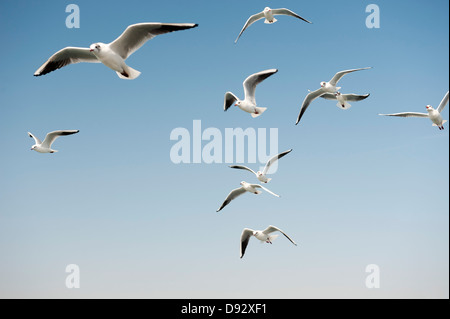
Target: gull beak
{"type": "Point", "coordinates": [91, 50]}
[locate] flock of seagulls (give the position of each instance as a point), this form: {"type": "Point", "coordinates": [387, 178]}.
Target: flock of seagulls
{"type": "Point", "coordinates": [114, 56]}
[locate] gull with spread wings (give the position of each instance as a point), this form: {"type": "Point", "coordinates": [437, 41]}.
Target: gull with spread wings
{"type": "Point", "coordinates": [262, 175]}
{"type": "Point", "coordinates": [246, 187]}
{"type": "Point", "coordinates": [263, 236]}
{"type": "Point", "coordinates": [433, 114]}
{"type": "Point", "coordinates": [325, 87]}
{"type": "Point", "coordinates": [45, 146]}
{"type": "Point", "coordinates": [114, 54]}
{"type": "Point", "coordinates": [269, 14]}
{"type": "Point", "coordinates": [249, 103]}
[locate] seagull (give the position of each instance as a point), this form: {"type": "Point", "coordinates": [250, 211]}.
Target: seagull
{"type": "Point", "coordinates": [249, 103]}
{"type": "Point", "coordinates": [263, 236]}
{"type": "Point", "coordinates": [269, 14]}
{"type": "Point", "coordinates": [45, 146]}
{"type": "Point", "coordinates": [246, 187]}
{"type": "Point", "coordinates": [325, 87]}
{"type": "Point", "coordinates": [262, 175]}
{"type": "Point", "coordinates": [114, 54]}
{"type": "Point", "coordinates": [433, 114]}
{"type": "Point", "coordinates": [343, 99]}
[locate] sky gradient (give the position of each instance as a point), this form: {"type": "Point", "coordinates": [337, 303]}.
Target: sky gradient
{"type": "Point", "coordinates": [358, 188]}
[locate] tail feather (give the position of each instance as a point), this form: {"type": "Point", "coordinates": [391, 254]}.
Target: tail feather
{"type": "Point", "coordinates": [129, 74]}
{"type": "Point", "coordinates": [345, 107]}
{"type": "Point", "coordinates": [268, 22]}
{"type": "Point", "coordinates": [260, 111]}
{"type": "Point", "coordinates": [273, 237]}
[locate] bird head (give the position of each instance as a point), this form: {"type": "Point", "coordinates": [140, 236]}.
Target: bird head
{"type": "Point", "coordinates": [337, 93]}
{"type": "Point", "coordinates": [259, 173]}
{"type": "Point", "coordinates": [267, 9]}
{"type": "Point", "coordinates": [96, 47]}
{"type": "Point", "coordinates": [322, 84]}
{"type": "Point", "coordinates": [238, 103]}
{"type": "Point", "coordinates": [33, 147]}
{"type": "Point", "coordinates": [429, 108]}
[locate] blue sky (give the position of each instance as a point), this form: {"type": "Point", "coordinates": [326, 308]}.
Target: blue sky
{"type": "Point", "coordinates": [358, 189]}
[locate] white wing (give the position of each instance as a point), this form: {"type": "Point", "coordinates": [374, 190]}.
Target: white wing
{"type": "Point", "coordinates": [136, 35]}
{"type": "Point", "coordinates": [309, 98]}
{"type": "Point", "coordinates": [272, 229]}
{"type": "Point", "coordinates": [348, 97]}
{"type": "Point", "coordinates": [66, 56]}
{"type": "Point", "coordinates": [288, 12]}
{"type": "Point", "coordinates": [259, 186]}
{"type": "Point", "coordinates": [36, 140]}
{"type": "Point", "coordinates": [247, 233]}
{"type": "Point", "coordinates": [243, 167]}
{"type": "Point", "coordinates": [339, 75]}
{"type": "Point", "coordinates": [52, 136]}
{"type": "Point", "coordinates": [253, 80]}
{"type": "Point", "coordinates": [274, 159]}
{"type": "Point", "coordinates": [249, 22]}
{"type": "Point", "coordinates": [406, 114]}
{"type": "Point", "coordinates": [229, 100]}
{"type": "Point", "coordinates": [233, 194]}
{"type": "Point", "coordinates": [443, 103]}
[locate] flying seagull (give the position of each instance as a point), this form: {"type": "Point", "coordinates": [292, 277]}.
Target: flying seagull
{"type": "Point", "coordinates": [249, 103]}
{"type": "Point", "coordinates": [114, 54]}
{"type": "Point", "coordinates": [325, 87]}
{"type": "Point", "coordinates": [45, 146]}
{"type": "Point", "coordinates": [246, 187]}
{"type": "Point", "coordinates": [433, 115]}
{"type": "Point", "coordinates": [343, 99]}
{"type": "Point", "coordinates": [268, 14]}
{"type": "Point", "coordinates": [263, 236]}
{"type": "Point", "coordinates": [262, 175]}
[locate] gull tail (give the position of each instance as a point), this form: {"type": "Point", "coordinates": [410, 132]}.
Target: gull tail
{"type": "Point", "coordinates": [268, 180]}
{"type": "Point", "coordinates": [273, 237]}
{"type": "Point", "coordinates": [258, 192]}
{"type": "Point", "coordinates": [260, 111]}
{"type": "Point", "coordinates": [346, 106]}
{"type": "Point", "coordinates": [268, 22]}
{"type": "Point", "coordinates": [129, 74]}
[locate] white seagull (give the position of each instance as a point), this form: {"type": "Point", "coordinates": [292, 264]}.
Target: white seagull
{"type": "Point", "coordinates": [269, 14]}
{"type": "Point", "coordinates": [262, 175]}
{"type": "Point", "coordinates": [114, 54]}
{"type": "Point", "coordinates": [45, 146]}
{"type": "Point", "coordinates": [325, 87]}
{"type": "Point", "coordinates": [434, 115]}
{"type": "Point", "coordinates": [246, 187]}
{"type": "Point", "coordinates": [343, 99]}
{"type": "Point", "coordinates": [263, 236]}
{"type": "Point", "coordinates": [249, 103]}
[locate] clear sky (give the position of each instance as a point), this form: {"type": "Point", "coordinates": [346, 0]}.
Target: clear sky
{"type": "Point", "coordinates": [358, 189]}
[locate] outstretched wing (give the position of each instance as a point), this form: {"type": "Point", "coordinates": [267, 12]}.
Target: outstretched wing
{"type": "Point", "coordinates": [253, 80]}
{"type": "Point", "coordinates": [249, 22]}
{"type": "Point", "coordinates": [339, 75]}
{"type": "Point", "coordinates": [36, 140]}
{"type": "Point", "coordinates": [245, 238]}
{"type": "Point", "coordinates": [262, 187]}
{"type": "Point", "coordinates": [308, 99]}
{"type": "Point", "coordinates": [52, 136]}
{"type": "Point", "coordinates": [243, 167]}
{"type": "Point", "coordinates": [274, 159]}
{"type": "Point", "coordinates": [406, 114]}
{"type": "Point", "coordinates": [288, 12]}
{"type": "Point", "coordinates": [136, 35]}
{"type": "Point", "coordinates": [272, 229]}
{"type": "Point", "coordinates": [443, 103]}
{"type": "Point", "coordinates": [229, 100]}
{"type": "Point", "coordinates": [233, 194]}
{"type": "Point", "coordinates": [348, 97]}
{"type": "Point", "coordinates": [66, 56]}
